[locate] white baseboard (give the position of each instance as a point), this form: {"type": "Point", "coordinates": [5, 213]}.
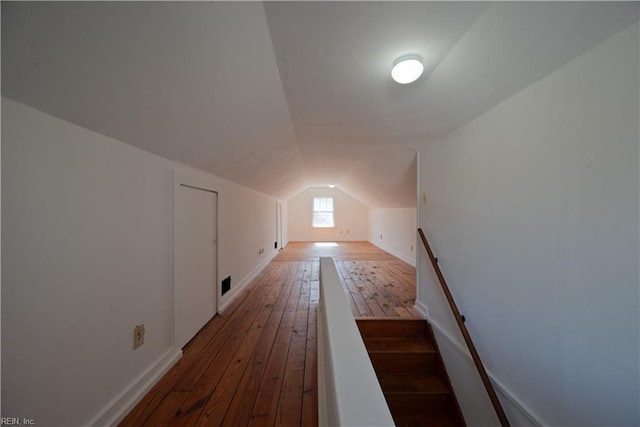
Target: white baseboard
{"type": "Point", "coordinates": [422, 309]}
{"type": "Point", "coordinates": [124, 402]}
{"type": "Point", "coordinates": [500, 388]}
{"type": "Point", "coordinates": [410, 261]}
{"type": "Point", "coordinates": [233, 294]}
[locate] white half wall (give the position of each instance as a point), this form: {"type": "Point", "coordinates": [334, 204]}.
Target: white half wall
{"type": "Point", "coordinates": [395, 231]}
{"type": "Point", "coordinates": [532, 210]}
{"type": "Point", "coordinates": [349, 393]}
{"type": "Point", "coordinates": [351, 217]}
{"type": "Point", "coordinates": [86, 255]}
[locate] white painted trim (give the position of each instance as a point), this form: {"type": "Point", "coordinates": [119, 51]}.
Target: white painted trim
{"type": "Point", "coordinates": [411, 262]}
{"type": "Point", "coordinates": [500, 388]}
{"type": "Point", "coordinates": [233, 294]}
{"type": "Point", "coordinates": [422, 309]}
{"type": "Point", "coordinates": [325, 399]}
{"type": "Point", "coordinates": [124, 402]}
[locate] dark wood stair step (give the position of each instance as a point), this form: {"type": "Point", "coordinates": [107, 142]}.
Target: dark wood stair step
{"type": "Point", "coordinates": [412, 382]}
{"type": "Point", "coordinates": [419, 403]}
{"type": "Point", "coordinates": [411, 373]}
{"type": "Point", "coordinates": [398, 345]}
{"type": "Point", "coordinates": [401, 354]}
{"type": "Point", "coordinates": [373, 327]}
{"type": "Point", "coordinates": [408, 419]}
{"type": "Point", "coordinates": [423, 393]}
{"type": "Point", "coordinates": [386, 362]}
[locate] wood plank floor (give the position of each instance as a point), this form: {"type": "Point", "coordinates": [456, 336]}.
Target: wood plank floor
{"type": "Point", "coordinates": [256, 363]}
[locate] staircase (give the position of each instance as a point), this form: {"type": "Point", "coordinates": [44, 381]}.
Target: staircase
{"type": "Point", "coordinates": [414, 381]}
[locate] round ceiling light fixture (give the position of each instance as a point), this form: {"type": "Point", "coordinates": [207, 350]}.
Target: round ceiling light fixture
{"type": "Point", "coordinates": [407, 69]}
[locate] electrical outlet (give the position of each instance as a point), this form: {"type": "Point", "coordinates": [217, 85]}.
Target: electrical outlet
{"type": "Point", "coordinates": [411, 248]}
{"type": "Point", "coordinates": [138, 336]}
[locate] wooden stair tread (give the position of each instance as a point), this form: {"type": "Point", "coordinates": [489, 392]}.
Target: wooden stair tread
{"type": "Point", "coordinates": [386, 362]}
{"type": "Point", "coordinates": [398, 345]}
{"type": "Point", "coordinates": [410, 371]}
{"type": "Point", "coordinates": [413, 382]}
{"type": "Point", "coordinates": [373, 327]}
{"type": "Point", "coordinates": [408, 419]}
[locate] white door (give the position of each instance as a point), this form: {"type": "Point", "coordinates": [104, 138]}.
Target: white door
{"type": "Point", "coordinates": [195, 232]}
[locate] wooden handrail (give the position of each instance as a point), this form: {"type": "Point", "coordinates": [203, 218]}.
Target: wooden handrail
{"type": "Point", "coordinates": [467, 338]}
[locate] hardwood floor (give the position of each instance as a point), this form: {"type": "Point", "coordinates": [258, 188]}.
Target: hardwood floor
{"type": "Point", "coordinates": [256, 363]}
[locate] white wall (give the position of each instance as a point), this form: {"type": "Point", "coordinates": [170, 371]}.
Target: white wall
{"type": "Point", "coordinates": [351, 217]}
{"type": "Point", "coordinates": [86, 255]}
{"type": "Point", "coordinates": [247, 223]}
{"type": "Point", "coordinates": [532, 210]}
{"type": "Point", "coordinates": [394, 231]}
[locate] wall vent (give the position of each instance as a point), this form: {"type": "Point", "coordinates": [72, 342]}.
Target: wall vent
{"type": "Point", "coordinates": [226, 285]}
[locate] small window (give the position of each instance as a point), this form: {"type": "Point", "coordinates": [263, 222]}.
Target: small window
{"type": "Point", "coordinates": [323, 212]}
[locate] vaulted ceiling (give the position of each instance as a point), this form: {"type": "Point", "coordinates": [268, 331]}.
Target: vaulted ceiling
{"type": "Point", "coordinates": [279, 96]}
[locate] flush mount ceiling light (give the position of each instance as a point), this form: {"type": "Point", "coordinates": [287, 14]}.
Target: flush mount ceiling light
{"type": "Point", "coordinates": [332, 186]}
{"type": "Point", "coordinates": [407, 69]}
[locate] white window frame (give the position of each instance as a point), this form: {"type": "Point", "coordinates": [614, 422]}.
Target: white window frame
{"type": "Point", "coordinates": [320, 210]}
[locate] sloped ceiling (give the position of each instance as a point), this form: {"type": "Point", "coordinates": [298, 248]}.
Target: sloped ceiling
{"type": "Point", "coordinates": [284, 95]}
